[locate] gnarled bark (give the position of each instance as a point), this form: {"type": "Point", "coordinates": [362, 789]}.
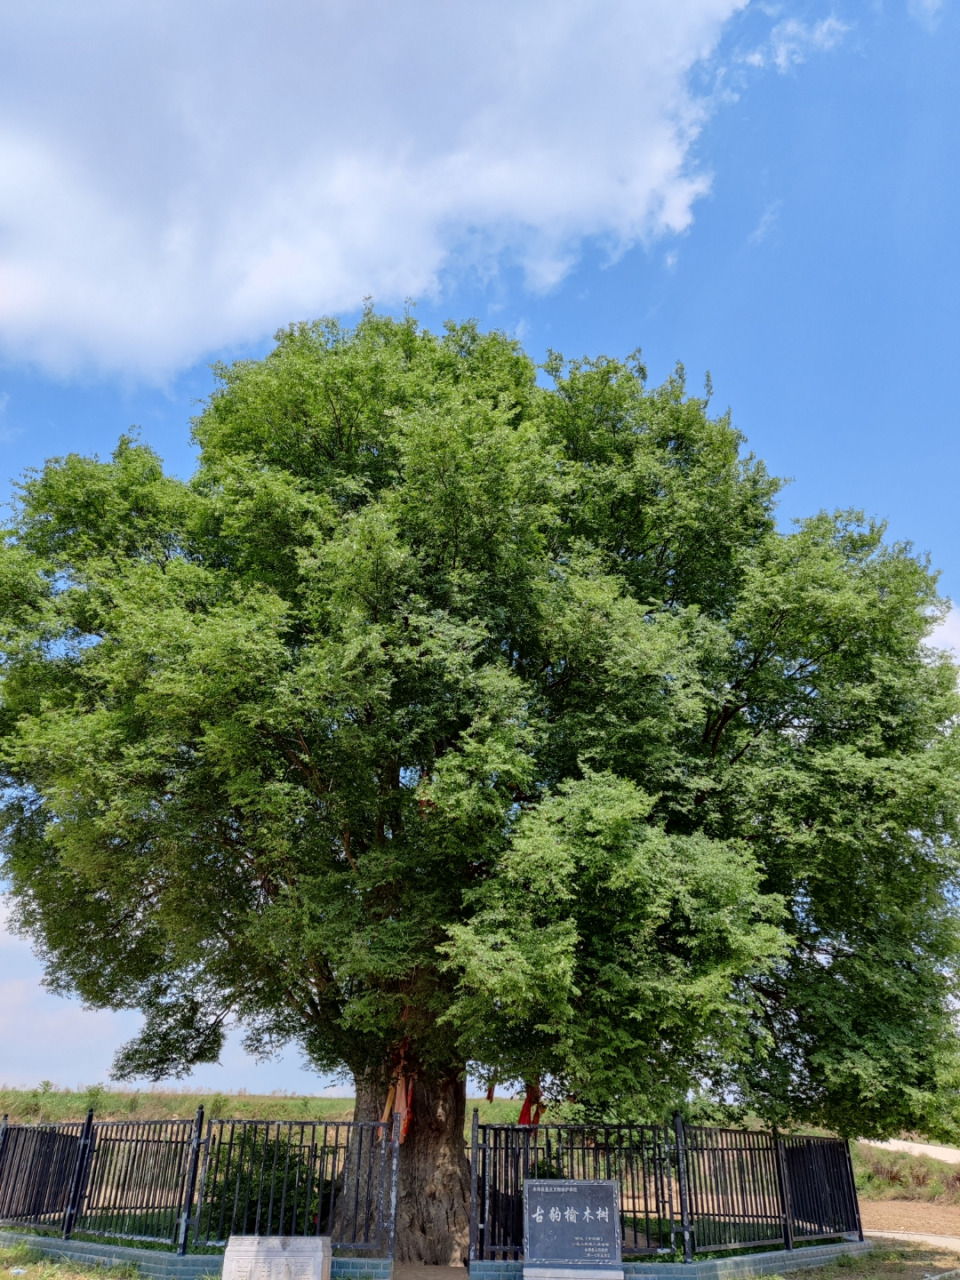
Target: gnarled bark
{"type": "Point", "coordinates": [433, 1196]}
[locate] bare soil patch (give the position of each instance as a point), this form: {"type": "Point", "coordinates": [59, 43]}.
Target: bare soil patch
{"type": "Point", "coordinates": [910, 1215]}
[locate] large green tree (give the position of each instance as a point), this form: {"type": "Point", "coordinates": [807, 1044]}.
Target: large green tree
{"type": "Point", "coordinates": [446, 720]}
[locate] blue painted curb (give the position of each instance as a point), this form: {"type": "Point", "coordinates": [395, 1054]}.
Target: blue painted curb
{"type": "Point", "coordinates": [735, 1268]}
{"type": "Point", "coordinates": [361, 1268]}
{"type": "Point", "coordinates": [158, 1265]}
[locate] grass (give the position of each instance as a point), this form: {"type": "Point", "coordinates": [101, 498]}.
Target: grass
{"type": "Point", "coordinates": [881, 1263]}
{"type": "Point", "coordinates": [884, 1264]}
{"type": "Point", "coordinates": [898, 1175]}
{"type": "Point", "coordinates": [48, 1105]}
{"type": "Point", "coordinates": [32, 1265]}
{"type": "Point", "coordinates": [126, 1242]}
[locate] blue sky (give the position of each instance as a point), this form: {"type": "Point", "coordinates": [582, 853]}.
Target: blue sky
{"type": "Point", "coordinates": [765, 191]}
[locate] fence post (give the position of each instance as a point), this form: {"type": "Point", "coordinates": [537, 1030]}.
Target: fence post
{"type": "Point", "coordinates": [78, 1184]}
{"type": "Point", "coordinates": [474, 1163]}
{"type": "Point", "coordinates": [783, 1179]}
{"type": "Point", "coordinates": [190, 1184]}
{"type": "Point", "coordinates": [682, 1185]}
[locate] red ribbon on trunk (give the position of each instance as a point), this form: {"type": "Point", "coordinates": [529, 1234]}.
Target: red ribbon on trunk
{"type": "Point", "coordinates": [533, 1108]}
{"type": "Point", "coordinates": [400, 1096]}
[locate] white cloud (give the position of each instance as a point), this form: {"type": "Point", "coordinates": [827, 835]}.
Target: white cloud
{"type": "Point", "coordinates": [177, 176]}
{"type": "Point", "coordinates": [947, 635]}
{"type": "Point", "coordinates": [926, 12]}
{"type": "Point", "coordinates": [791, 41]}
{"type": "Point", "coordinates": [767, 219]}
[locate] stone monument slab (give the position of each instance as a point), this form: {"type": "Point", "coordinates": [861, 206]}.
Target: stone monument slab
{"type": "Point", "coordinates": [571, 1230]}
{"type": "Point", "coordinates": [277, 1258]}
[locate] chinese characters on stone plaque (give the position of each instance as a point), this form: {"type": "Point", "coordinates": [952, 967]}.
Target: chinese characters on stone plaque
{"type": "Point", "coordinates": [571, 1224]}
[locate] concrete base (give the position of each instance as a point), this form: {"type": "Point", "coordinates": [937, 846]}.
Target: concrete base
{"type": "Point", "coordinates": [738, 1267]}
{"type": "Point", "coordinates": [540, 1272]}
{"type": "Point", "coordinates": [159, 1265]}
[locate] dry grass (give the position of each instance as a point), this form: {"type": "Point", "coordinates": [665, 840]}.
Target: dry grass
{"type": "Point", "coordinates": [883, 1263]}
{"type": "Point", "coordinates": [46, 1105]}
{"type": "Point", "coordinates": [898, 1175]}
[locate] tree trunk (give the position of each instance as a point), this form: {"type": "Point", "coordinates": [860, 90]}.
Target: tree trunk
{"type": "Point", "coordinates": [433, 1196]}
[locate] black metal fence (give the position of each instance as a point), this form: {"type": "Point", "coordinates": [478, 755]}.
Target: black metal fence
{"type": "Point", "coordinates": [182, 1181]}
{"type": "Point", "coordinates": [688, 1188]}
{"type": "Point", "coordinates": [187, 1182]}
{"type": "Point", "coordinates": [290, 1178]}
{"type": "Point", "coordinates": [503, 1156]}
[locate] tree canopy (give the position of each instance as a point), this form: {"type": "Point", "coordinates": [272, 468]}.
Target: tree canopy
{"type": "Point", "coordinates": [492, 718]}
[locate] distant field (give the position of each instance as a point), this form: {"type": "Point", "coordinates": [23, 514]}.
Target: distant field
{"type": "Point", "coordinates": [47, 1105]}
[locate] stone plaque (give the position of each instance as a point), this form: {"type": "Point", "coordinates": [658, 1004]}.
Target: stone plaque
{"type": "Point", "coordinates": [571, 1226]}
{"type": "Point", "coordinates": [277, 1258]}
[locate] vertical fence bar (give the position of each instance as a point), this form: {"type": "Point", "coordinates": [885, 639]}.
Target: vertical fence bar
{"type": "Point", "coordinates": [78, 1184]}
{"type": "Point", "coordinates": [474, 1163]}
{"type": "Point", "coordinates": [204, 1166]}
{"type": "Point", "coordinates": [489, 1170]}
{"type": "Point", "coordinates": [384, 1148]}
{"type": "Point", "coordinates": [783, 1180]}
{"type": "Point", "coordinates": [667, 1163]}
{"type": "Point", "coordinates": [682, 1184]}
{"type": "Point", "coordinates": [190, 1183]}
{"type": "Point", "coordinates": [334, 1169]}
{"type": "Point", "coordinates": [368, 1204]}
{"type": "Point", "coordinates": [321, 1171]}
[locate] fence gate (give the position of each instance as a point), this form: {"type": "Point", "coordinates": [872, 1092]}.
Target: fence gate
{"type": "Point", "coordinates": [823, 1196]}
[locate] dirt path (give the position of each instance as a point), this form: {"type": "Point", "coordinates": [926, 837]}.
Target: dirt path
{"type": "Point", "coordinates": [911, 1239]}
{"type": "Point", "coordinates": [910, 1215]}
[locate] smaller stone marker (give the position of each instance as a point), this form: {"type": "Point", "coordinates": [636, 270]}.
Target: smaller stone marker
{"type": "Point", "coordinates": [571, 1230]}
{"type": "Point", "coordinates": [277, 1258]}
